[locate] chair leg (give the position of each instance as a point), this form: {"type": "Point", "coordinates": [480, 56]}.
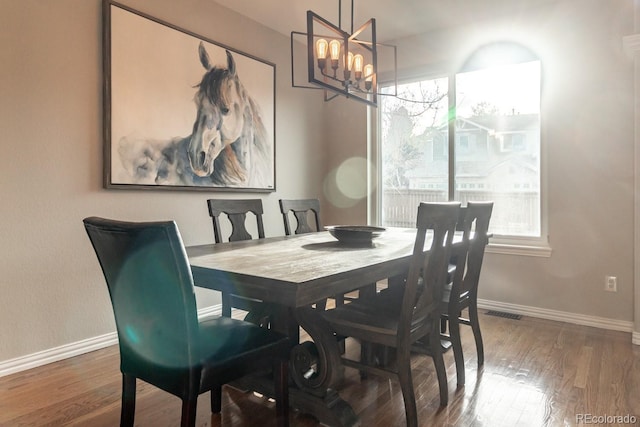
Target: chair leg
{"type": "Point", "coordinates": [368, 291]}
{"type": "Point", "coordinates": [443, 324]}
{"type": "Point", "coordinates": [321, 305]}
{"type": "Point", "coordinates": [406, 385]}
{"type": "Point", "coordinates": [260, 314]}
{"type": "Point", "coordinates": [475, 327]}
{"type": "Point", "coordinates": [438, 361]}
{"type": "Point", "coordinates": [189, 410]}
{"type": "Point", "coordinates": [456, 343]}
{"type": "Point", "coordinates": [281, 384]}
{"type": "Point", "coordinates": [226, 304]}
{"type": "Point", "coordinates": [216, 399]}
{"type": "Point", "coordinates": [128, 410]}
{"type": "Point", "coordinates": [367, 356]}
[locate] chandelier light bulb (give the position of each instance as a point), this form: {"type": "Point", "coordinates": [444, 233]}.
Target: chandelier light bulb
{"type": "Point", "coordinates": [334, 49]}
{"type": "Point", "coordinates": [368, 76]}
{"type": "Point", "coordinates": [322, 47]}
{"type": "Point", "coordinates": [358, 62]}
{"type": "Point", "coordinates": [349, 61]}
{"type": "Point", "coordinates": [368, 72]}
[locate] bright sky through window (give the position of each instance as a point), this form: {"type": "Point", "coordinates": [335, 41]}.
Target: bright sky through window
{"type": "Point", "coordinates": [509, 88]}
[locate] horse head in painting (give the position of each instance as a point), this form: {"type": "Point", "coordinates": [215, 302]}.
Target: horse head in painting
{"type": "Point", "coordinates": [229, 142]}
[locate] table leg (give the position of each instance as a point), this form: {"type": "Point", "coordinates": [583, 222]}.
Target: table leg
{"type": "Point", "coordinates": [316, 365]}
{"type": "Point", "coordinates": [316, 370]}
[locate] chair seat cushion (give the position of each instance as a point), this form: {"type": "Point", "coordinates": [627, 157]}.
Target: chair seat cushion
{"type": "Point", "coordinates": [446, 296]}
{"type": "Point", "coordinates": [224, 338]}
{"type": "Point", "coordinates": [369, 316]}
{"type": "Point", "coordinates": [227, 344]}
{"type": "Point", "coordinates": [394, 296]}
{"type": "Point", "coordinates": [373, 319]}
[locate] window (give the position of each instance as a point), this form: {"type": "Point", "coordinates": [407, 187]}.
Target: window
{"type": "Point", "coordinates": [512, 142]}
{"type": "Point", "coordinates": [496, 148]}
{"type": "Point", "coordinates": [440, 149]}
{"type": "Point", "coordinates": [410, 129]}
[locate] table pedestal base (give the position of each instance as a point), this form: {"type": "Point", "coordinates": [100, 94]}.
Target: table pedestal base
{"type": "Point", "coordinates": [329, 409]}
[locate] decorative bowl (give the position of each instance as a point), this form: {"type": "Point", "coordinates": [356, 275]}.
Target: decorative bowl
{"type": "Point", "coordinates": [354, 234]}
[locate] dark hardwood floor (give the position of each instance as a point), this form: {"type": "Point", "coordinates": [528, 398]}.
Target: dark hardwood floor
{"type": "Point", "coordinates": [536, 373]}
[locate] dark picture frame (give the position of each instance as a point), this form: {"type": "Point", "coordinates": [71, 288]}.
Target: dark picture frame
{"type": "Point", "coordinates": [181, 111]}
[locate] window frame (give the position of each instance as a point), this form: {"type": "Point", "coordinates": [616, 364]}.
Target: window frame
{"type": "Point", "coordinates": [537, 246]}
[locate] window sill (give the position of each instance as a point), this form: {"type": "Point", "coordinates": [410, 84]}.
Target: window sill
{"type": "Point", "coordinates": [543, 251]}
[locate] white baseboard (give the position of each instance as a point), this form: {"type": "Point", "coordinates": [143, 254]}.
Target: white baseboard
{"type": "Point", "coordinates": [34, 360]}
{"type": "Point", "coordinates": [40, 358]}
{"type": "Point", "coordinates": [560, 316]}
{"type": "Point", "coordinates": [209, 312]}
{"type": "Point", "coordinates": [66, 351]}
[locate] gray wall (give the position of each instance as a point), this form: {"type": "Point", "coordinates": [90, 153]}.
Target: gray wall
{"type": "Point", "coordinates": [51, 289]}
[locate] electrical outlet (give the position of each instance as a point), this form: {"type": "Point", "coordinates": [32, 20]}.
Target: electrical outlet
{"type": "Point", "coordinates": [611, 284]}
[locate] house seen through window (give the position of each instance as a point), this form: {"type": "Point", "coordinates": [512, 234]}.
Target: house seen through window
{"type": "Point", "coordinates": [476, 139]}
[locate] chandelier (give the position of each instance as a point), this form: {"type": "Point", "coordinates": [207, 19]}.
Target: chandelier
{"type": "Point", "coordinates": [339, 62]}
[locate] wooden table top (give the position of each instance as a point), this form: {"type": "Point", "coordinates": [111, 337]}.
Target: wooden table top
{"type": "Point", "coordinates": [302, 269]}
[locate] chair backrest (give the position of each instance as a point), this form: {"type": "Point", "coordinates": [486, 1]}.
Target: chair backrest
{"type": "Point", "coordinates": [236, 211]}
{"type": "Point", "coordinates": [147, 272]}
{"type": "Point", "coordinates": [301, 209]}
{"type": "Point", "coordinates": [438, 221]}
{"type": "Point", "coordinates": [476, 221]}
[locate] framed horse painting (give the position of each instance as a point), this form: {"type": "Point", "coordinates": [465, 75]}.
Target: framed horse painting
{"type": "Point", "coordinates": [183, 112]}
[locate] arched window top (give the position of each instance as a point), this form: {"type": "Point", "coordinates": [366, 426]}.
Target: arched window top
{"type": "Point", "coordinates": [498, 53]}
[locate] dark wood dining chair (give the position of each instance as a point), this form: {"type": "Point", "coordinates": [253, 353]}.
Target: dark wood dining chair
{"type": "Point", "coordinates": [462, 292]}
{"type": "Point", "coordinates": [302, 210]}
{"type": "Point", "coordinates": [236, 211]}
{"type": "Point", "coordinates": [160, 338]}
{"type": "Point", "coordinates": [413, 320]}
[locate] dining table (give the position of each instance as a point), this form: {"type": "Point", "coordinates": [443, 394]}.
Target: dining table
{"type": "Point", "coordinates": [293, 276]}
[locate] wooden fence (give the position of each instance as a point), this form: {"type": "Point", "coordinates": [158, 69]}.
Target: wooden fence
{"type": "Point", "coordinates": [514, 213]}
